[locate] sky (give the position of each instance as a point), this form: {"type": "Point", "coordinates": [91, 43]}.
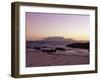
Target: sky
{"type": "Point", "coordinates": [41, 25]}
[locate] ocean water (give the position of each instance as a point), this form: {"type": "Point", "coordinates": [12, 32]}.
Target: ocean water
{"type": "Point", "coordinates": [68, 50]}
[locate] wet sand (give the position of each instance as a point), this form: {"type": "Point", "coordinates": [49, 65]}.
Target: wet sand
{"type": "Point", "coordinates": [39, 58]}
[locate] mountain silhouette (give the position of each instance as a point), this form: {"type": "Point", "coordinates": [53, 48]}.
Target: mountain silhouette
{"type": "Point", "coordinates": [57, 38]}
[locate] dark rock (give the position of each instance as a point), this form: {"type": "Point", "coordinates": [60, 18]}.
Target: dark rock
{"type": "Point", "coordinates": [60, 49]}
{"type": "Point", "coordinates": [37, 48]}
{"type": "Point", "coordinates": [79, 45]}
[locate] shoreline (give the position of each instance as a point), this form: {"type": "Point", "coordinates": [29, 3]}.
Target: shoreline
{"type": "Point", "coordinates": [39, 59]}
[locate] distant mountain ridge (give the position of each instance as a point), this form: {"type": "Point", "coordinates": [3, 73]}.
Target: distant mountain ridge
{"type": "Point", "coordinates": [57, 38]}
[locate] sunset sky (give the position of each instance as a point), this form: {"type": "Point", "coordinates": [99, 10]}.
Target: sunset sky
{"type": "Point", "coordinates": [41, 25]}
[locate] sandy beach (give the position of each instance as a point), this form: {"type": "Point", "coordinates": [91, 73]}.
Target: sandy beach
{"type": "Point", "coordinates": [38, 58]}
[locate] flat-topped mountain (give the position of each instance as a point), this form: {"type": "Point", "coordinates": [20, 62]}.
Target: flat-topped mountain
{"type": "Point", "coordinates": [57, 38]}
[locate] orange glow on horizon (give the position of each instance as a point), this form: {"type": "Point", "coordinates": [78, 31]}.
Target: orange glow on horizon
{"type": "Point", "coordinates": [41, 25]}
